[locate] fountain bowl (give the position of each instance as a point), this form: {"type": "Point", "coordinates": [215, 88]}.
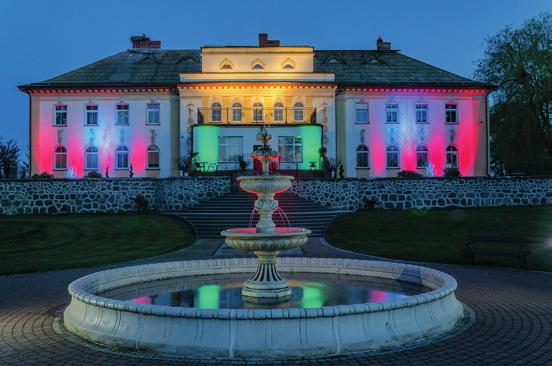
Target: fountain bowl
{"type": "Point", "coordinates": [283, 238]}
{"type": "Point", "coordinates": [265, 184]}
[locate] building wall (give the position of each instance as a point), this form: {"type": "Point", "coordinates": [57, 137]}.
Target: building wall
{"type": "Point", "coordinates": [469, 135]}
{"type": "Point", "coordinates": [106, 136]}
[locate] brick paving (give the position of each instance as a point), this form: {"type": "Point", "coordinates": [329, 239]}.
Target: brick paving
{"type": "Point", "coordinates": [512, 326]}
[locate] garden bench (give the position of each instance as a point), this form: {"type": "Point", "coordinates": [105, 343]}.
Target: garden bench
{"type": "Point", "coordinates": [498, 246]}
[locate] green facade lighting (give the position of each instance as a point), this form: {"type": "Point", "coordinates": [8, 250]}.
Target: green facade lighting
{"type": "Point", "coordinates": [206, 143]}
{"type": "Point", "coordinates": [312, 142]}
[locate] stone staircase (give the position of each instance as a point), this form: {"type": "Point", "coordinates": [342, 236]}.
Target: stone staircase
{"type": "Point", "coordinates": [235, 210]}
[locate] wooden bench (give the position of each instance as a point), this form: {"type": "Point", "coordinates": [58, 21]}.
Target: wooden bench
{"type": "Point", "coordinates": [498, 246]}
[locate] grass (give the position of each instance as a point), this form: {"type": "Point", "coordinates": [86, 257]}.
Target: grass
{"type": "Point", "coordinates": [40, 243]}
{"type": "Point", "coordinates": [439, 235]}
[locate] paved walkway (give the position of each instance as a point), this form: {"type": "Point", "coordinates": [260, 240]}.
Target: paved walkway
{"type": "Point", "coordinates": [513, 324]}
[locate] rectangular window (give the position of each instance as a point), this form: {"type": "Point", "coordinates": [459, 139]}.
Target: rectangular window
{"type": "Point", "coordinates": [92, 115]}
{"type": "Point", "coordinates": [154, 114]}
{"type": "Point", "coordinates": [230, 147]}
{"type": "Point", "coordinates": [451, 114]}
{"type": "Point", "coordinates": [421, 113]}
{"type": "Point", "coordinates": [60, 117]}
{"type": "Point", "coordinates": [122, 114]}
{"type": "Point", "coordinates": [291, 149]}
{"type": "Point", "coordinates": [362, 113]}
{"type": "Point", "coordinates": [392, 113]}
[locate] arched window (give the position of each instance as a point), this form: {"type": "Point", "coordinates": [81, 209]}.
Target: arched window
{"type": "Point", "coordinates": [278, 112]}
{"type": "Point", "coordinates": [393, 157]}
{"type": "Point", "coordinates": [452, 156]}
{"type": "Point", "coordinates": [152, 157]}
{"type": "Point", "coordinates": [298, 112]}
{"type": "Point", "coordinates": [60, 158]}
{"type": "Point", "coordinates": [216, 112]}
{"type": "Point", "coordinates": [121, 158]}
{"type": "Point", "coordinates": [257, 112]}
{"type": "Point", "coordinates": [236, 112]}
{"type": "Point", "coordinates": [421, 157]}
{"type": "Point", "coordinates": [91, 158]}
{"type": "Point", "coordinates": [363, 157]}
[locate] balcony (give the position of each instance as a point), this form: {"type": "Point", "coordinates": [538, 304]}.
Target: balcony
{"type": "Point", "coordinates": [256, 116]}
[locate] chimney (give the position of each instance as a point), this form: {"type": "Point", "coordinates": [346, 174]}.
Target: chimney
{"type": "Point", "coordinates": [144, 42]}
{"type": "Point", "coordinates": [383, 46]}
{"type": "Point", "coordinates": [265, 42]}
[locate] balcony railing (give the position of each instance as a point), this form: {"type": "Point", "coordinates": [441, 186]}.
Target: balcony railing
{"type": "Point", "coordinates": [240, 116]}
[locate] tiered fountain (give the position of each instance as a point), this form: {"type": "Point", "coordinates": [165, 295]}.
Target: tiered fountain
{"type": "Point", "coordinates": [199, 308]}
{"type": "Point", "coordinates": [266, 240]}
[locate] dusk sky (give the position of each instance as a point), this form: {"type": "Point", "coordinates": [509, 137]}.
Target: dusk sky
{"type": "Point", "coordinates": [42, 39]}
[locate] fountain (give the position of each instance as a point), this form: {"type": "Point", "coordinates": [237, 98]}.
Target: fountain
{"type": "Point", "coordinates": [266, 240]}
{"type": "Point", "coordinates": [203, 308]}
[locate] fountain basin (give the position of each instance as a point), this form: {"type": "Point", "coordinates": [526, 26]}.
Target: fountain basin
{"type": "Point", "coordinates": [265, 184]}
{"type": "Point", "coordinates": [282, 238]}
{"type": "Point", "coordinates": [261, 333]}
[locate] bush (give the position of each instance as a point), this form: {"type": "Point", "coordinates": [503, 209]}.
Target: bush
{"type": "Point", "coordinates": [452, 172]}
{"type": "Point", "coordinates": [43, 175]}
{"type": "Point", "coordinates": [409, 174]}
{"type": "Point", "coordinates": [93, 175]}
{"type": "Point", "coordinates": [141, 203]}
{"type": "Point", "coordinates": [370, 204]}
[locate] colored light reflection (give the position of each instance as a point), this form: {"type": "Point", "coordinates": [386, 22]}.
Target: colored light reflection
{"type": "Point", "coordinates": [313, 295]}
{"type": "Point", "coordinates": [208, 297]}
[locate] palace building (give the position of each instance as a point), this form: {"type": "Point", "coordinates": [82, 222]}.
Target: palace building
{"type": "Point", "coordinates": [375, 112]}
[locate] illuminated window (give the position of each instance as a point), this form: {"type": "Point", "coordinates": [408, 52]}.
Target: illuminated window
{"type": "Point", "coordinates": [291, 149]}
{"type": "Point", "coordinates": [122, 114]}
{"type": "Point", "coordinates": [216, 112]}
{"type": "Point", "coordinates": [60, 117]}
{"type": "Point", "coordinates": [298, 115]}
{"type": "Point", "coordinates": [549, 112]}
{"type": "Point", "coordinates": [392, 113]}
{"type": "Point", "coordinates": [362, 113]}
{"type": "Point", "coordinates": [121, 158]}
{"type": "Point", "coordinates": [152, 157]}
{"type": "Point", "coordinates": [236, 112]}
{"type": "Point", "coordinates": [451, 113]}
{"type": "Point", "coordinates": [421, 157]}
{"type": "Point", "coordinates": [278, 112]}
{"type": "Point", "coordinates": [91, 158]}
{"type": "Point", "coordinates": [421, 113]}
{"type": "Point", "coordinates": [392, 157]}
{"type": "Point", "coordinates": [363, 156]}
{"type": "Point", "coordinates": [452, 156]}
{"type": "Point", "coordinates": [230, 147]}
{"type": "Point", "coordinates": [60, 158]}
{"type": "Point", "coordinates": [154, 114]}
{"type": "Point", "coordinates": [92, 115]}
{"type": "Point", "coordinates": [257, 112]}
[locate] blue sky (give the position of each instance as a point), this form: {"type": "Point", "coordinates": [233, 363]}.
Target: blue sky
{"type": "Point", "coordinates": [42, 39]}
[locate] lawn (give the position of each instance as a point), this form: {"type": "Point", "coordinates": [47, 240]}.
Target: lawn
{"type": "Point", "coordinates": [439, 235]}
{"type": "Point", "coordinates": [41, 243]}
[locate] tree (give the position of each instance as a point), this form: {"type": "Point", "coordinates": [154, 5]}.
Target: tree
{"type": "Point", "coordinates": [519, 63]}
{"type": "Point", "coordinates": [9, 155]}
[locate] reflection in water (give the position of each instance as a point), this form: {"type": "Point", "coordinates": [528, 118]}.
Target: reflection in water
{"type": "Point", "coordinates": [308, 291]}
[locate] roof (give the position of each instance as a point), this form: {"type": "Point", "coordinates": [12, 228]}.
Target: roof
{"type": "Point", "coordinates": [147, 67]}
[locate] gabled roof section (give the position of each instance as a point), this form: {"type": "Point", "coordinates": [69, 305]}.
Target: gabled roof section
{"type": "Point", "coordinates": [385, 68]}
{"type": "Point", "coordinates": [132, 67]}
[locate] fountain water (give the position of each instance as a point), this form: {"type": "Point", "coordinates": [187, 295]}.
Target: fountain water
{"type": "Point", "coordinates": [266, 240]}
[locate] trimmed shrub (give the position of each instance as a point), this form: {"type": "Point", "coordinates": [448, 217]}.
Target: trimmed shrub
{"type": "Point", "coordinates": [43, 175]}
{"type": "Point", "coordinates": [409, 174]}
{"type": "Point", "coordinates": [452, 172]}
{"type": "Point", "coordinates": [93, 175]}
{"type": "Point", "coordinates": [141, 203]}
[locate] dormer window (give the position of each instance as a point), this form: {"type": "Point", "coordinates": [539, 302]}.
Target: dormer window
{"type": "Point", "coordinates": [257, 65]}
{"type": "Point", "coordinates": [288, 64]}
{"type": "Point", "coordinates": [334, 60]}
{"type": "Point", "coordinates": [226, 64]}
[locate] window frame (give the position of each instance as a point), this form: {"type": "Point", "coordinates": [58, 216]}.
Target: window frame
{"type": "Point", "coordinates": [279, 112]}
{"type": "Point", "coordinates": [452, 150]}
{"type": "Point", "coordinates": [364, 108]}
{"type": "Point", "coordinates": [258, 108]}
{"type": "Point", "coordinates": [422, 149]}
{"type": "Point", "coordinates": [90, 112]}
{"type": "Point", "coordinates": [153, 110]}
{"type": "Point", "coordinates": [56, 112]}
{"type": "Point", "coordinates": [451, 110]}
{"type": "Point", "coordinates": [298, 112]}
{"type": "Point", "coordinates": [216, 107]}
{"type": "Point", "coordinates": [87, 153]}
{"type": "Point", "coordinates": [392, 149]}
{"type": "Point", "coordinates": [424, 111]}
{"type": "Point", "coordinates": [294, 145]}
{"type": "Point", "coordinates": [226, 145]}
{"type": "Point", "coordinates": [390, 111]}
{"type": "Point", "coordinates": [62, 152]}
{"type": "Point", "coordinates": [237, 108]}
{"type": "Point", "coordinates": [364, 150]}
{"type": "Point", "coordinates": [153, 154]}
{"type": "Point", "coordinates": [119, 112]}
{"type": "Point", "coordinates": [122, 150]}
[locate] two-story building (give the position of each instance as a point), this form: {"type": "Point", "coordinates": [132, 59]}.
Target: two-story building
{"type": "Point", "coordinates": [375, 112]}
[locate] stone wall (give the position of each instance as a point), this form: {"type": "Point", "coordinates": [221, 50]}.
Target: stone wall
{"type": "Point", "coordinates": [403, 193]}
{"type": "Point", "coordinates": [35, 196]}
